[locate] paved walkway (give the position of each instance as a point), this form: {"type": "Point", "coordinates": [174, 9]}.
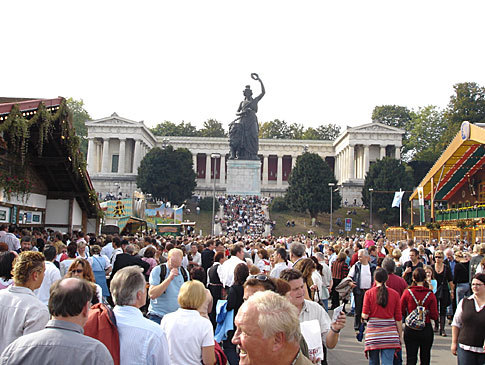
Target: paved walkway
{"type": "Point", "coordinates": [351, 352]}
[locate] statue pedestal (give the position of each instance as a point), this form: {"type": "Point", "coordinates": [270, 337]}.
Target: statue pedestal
{"type": "Point", "coordinates": [243, 177]}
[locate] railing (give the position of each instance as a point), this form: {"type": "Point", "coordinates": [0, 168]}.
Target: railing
{"type": "Point", "coordinates": [461, 213]}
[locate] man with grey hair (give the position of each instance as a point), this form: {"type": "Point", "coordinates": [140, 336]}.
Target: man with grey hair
{"type": "Point", "coordinates": [268, 331]}
{"type": "Point", "coordinates": [297, 250]}
{"type": "Point", "coordinates": [62, 340]}
{"type": "Point", "coordinates": [362, 275]}
{"type": "Point", "coordinates": [128, 289]}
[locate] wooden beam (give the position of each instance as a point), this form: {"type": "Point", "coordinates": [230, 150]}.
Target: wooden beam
{"type": "Point", "coordinates": [64, 194]}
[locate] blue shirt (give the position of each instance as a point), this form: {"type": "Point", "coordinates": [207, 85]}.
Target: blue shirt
{"type": "Point", "coordinates": [167, 302]}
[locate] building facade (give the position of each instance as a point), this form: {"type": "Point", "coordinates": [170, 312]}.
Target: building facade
{"type": "Point", "coordinates": [117, 145]}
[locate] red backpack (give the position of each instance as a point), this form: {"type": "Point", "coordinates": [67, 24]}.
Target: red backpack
{"type": "Point", "coordinates": [101, 325]}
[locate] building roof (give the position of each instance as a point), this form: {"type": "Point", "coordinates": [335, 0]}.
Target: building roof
{"type": "Point", "coordinates": [58, 162]}
{"type": "Point", "coordinates": [464, 156]}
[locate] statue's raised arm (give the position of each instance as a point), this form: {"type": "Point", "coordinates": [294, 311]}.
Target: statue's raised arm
{"type": "Point", "coordinates": [255, 76]}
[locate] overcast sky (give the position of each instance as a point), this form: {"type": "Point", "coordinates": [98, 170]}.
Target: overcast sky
{"type": "Point", "coordinates": [321, 61]}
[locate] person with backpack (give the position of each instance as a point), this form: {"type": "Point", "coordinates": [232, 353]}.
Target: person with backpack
{"type": "Point", "coordinates": [165, 283]}
{"type": "Point", "coordinates": [420, 304]}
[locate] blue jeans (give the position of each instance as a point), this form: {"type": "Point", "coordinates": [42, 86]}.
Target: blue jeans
{"type": "Point", "coordinates": [461, 290]}
{"type": "Point", "coordinates": [325, 304]}
{"type": "Point", "coordinates": [469, 357]}
{"type": "Point", "coordinates": [154, 318]}
{"type": "Point", "coordinates": [386, 357]}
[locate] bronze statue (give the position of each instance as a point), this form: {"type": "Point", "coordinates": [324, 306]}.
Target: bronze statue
{"type": "Point", "coordinates": [244, 131]}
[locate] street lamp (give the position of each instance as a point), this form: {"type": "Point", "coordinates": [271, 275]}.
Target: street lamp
{"type": "Point", "coordinates": [331, 206]}
{"type": "Point", "coordinates": [214, 157]}
{"type": "Point", "coordinates": [370, 210]}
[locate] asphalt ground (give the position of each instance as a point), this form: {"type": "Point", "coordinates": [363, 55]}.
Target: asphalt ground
{"type": "Point", "coordinates": [351, 352]}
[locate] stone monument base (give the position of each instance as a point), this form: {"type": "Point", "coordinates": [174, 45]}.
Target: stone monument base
{"type": "Point", "coordinates": [243, 177]}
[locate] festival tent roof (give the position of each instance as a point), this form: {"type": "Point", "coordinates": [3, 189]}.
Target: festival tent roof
{"type": "Point", "coordinates": [464, 156]}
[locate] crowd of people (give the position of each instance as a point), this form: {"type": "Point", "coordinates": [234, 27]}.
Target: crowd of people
{"type": "Point", "coordinates": [244, 215]}
{"type": "Point", "coordinates": [238, 298]}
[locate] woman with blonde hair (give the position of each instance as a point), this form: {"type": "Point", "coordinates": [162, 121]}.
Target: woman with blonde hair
{"type": "Point", "coordinates": [190, 336]}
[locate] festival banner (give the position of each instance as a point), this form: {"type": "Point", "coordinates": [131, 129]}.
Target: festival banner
{"type": "Point", "coordinates": [117, 208]}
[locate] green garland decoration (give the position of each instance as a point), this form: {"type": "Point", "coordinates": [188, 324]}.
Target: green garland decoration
{"type": "Point", "coordinates": [18, 129]}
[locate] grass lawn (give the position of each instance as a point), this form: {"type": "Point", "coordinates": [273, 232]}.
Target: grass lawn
{"type": "Point", "coordinates": [303, 222]}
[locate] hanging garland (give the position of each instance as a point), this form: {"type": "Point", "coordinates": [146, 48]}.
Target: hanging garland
{"type": "Point", "coordinates": [17, 127]}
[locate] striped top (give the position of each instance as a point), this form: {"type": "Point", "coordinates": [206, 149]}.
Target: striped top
{"type": "Point", "coordinates": [340, 269]}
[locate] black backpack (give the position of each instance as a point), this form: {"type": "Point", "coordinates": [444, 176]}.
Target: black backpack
{"type": "Point", "coordinates": [163, 272]}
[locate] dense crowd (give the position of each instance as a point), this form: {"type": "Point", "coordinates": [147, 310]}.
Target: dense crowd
{"type": "Point", "coordinates": [151, 299]}
{"type": "Point", "coordinates": [244, 215]}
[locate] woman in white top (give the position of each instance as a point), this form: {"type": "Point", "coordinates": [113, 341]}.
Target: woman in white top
{"type": "Point", "coordinates": [190, 336]}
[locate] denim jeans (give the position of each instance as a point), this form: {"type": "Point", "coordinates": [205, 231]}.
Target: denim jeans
{"type": "Point", "coordinates": [154, 318]}
{"type": "Point", "coordinates": [461, 291]}
{"type": "Point", "coordinates": [384, 357]}
{"type": "Point", "coordinates": [469, 357]}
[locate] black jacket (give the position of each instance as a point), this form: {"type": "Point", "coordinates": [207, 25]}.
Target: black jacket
{"type": "Point", "coordinates": [124, 260]}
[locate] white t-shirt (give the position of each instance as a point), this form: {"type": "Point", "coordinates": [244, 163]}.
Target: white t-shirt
{"type": "Point", "coordinates": [365, 276]}
{"type": "Point", "coordinates": [187, 332]}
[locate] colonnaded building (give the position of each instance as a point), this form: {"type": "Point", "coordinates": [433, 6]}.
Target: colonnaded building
{"type": "Point", "coordinates": [117, 145]}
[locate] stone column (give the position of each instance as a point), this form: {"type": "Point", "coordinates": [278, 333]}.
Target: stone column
{"type": "Point", "coordinates": [208, 168]}
{"type": "Point", "coordinates": [91, 158]}
{"type": "Point", "coordinates": [105, 167]}
{"type": "Point", "coordinates": [136, 156]}
{"type": "Point", "coordinates": [366, 160]}
{"type": "Point", "coordinates": [194, 160]}
{"type": "Point", "coordinates": [346, 163]}
{"type": "Point", "coordinates": [222, 173]}
{"type": "Point", "coordinates": [383, 152]}
{"type": "Point", "coordinates": [398, 152]}
{"type": "Point", "coordinates": [121, 160]}
{"type": "Point", "coordinates": [279, 174]}
{"type": "Point", "coordinates": [293, 161]}
{"type": "Point", "coordinates": [265, 170]}
{"type": "Point", "coordinates": [351, 163]}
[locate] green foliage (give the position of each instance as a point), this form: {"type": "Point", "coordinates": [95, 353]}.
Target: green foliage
{"type": "Point", "coordinates": [206, 204]}
{"type": "Point", "coordinates": [278, 205]}
{"type": "Point", "coordinates": [308, 188]}
{"type": "Point", "coordinates": [386, 176]}
{"type": "Point", "coordinates": [79, 118]}
{"type": "Point", "coordinates": [167, 128]}
{"type": "Point", "coordinates": [281, 130]}
{"type": "Point", "coordinates": [420, 169]}
{"type": "Point", "coordinates": [212, 128]}
{"type": "Point", "coordinates": [425, 129]}
{"type": "Point", "coordinates": [167, 174]}
{"type": "Point", "coordinates": [467, 104]}
{"type": "Point", "coordinates": [392, 115]}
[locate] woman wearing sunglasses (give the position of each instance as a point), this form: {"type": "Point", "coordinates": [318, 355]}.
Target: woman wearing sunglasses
{"type": "Point", "coordinates": [80, 268]}
{"type": "Point", "coordinates": [468, 334]}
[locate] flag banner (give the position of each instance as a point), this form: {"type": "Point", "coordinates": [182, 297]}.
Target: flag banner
{"type": "Point", "coordinates": [421, 195]}
{"type": "Point", "coordinates": [396, 202]}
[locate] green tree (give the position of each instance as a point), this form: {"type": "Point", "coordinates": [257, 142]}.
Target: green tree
{"type": "Point", "coordinates": [167, 174]}
{"type": "Point", "coordinates": [392, 115]}
{"type": "Point", "coordinates": [425, 130]}
{"type": "Point", "coordinates": [212, 128]}
{"type": "Point", "coordinates": [386, 176]}
{"type": "Point", "coordinates": [167, 128]}
{"type": "Point", "coordinates": [308, 189]}
{"type": "Point", "coordinates": [295, 131]}
{"type": "Point", "coordinates": [274, 129]}
{"type": "Point", "coordinates": [467, 104]}
{"type": "Point", "coordinates": [79, 118]}
{"type": "Point", "coordinates": [324, 132]}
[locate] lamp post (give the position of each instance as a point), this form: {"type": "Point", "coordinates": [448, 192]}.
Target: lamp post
{"type": "Point", "coordinates": [331, 206]}
{"type": "Point", "coordinates": [214, 157]}
{"type": "Point", "coordinates": [370, 210]}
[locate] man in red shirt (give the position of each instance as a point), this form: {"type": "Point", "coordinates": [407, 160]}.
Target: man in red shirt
{"type": "Point", "coordinates": [355, 256]}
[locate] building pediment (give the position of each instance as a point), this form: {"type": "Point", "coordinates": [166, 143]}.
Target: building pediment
{"type": "Point", "coordinates": [375, 127]}
{"type": "Point", "coordinates": [114, 120]}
